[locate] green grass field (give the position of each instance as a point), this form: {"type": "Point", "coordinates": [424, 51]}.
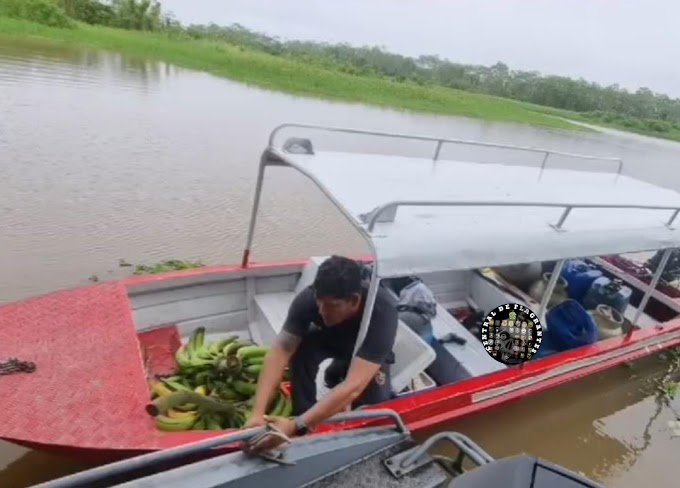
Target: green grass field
{"type": "Point", "coordinates": [284, 74]}
{"type": "Point", "coordinates": [615, 122]}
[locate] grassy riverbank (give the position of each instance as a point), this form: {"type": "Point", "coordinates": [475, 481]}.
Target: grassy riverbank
{"type": "Point", "coordinates": [283, 74]}
{"type": "Point", "coordinates": [646, 127]}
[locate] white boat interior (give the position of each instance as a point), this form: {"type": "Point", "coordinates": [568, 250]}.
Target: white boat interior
{"type": "Point", "coordinates": [450, 223]}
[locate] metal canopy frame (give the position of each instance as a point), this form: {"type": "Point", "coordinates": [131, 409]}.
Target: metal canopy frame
{"type": "Point", "coordinates": [274, 156]}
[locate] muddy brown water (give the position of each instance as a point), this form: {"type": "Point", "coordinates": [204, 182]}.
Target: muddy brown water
{"type": "Point", "coordinates": [105, 157]}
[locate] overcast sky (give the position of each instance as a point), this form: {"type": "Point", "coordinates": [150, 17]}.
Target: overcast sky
{"type": "Point", "coordinates": [630, 42]}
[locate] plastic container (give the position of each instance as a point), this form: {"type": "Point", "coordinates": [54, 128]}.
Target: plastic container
{"type": "Point", "coordinates": [604, 291]}
{"type": "Point", "coordinates": [569, 326]}
{"type": "Point", "coordinates": [579, 276]}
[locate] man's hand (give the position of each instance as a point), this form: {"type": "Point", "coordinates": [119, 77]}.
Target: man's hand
{"type": "Point", "coordinates": [271, 441]}
{"type": "Point", "coordinates": [255, 421]}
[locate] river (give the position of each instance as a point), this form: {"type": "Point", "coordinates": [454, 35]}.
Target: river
{"type": "Point", "coordinates": [106, 157]}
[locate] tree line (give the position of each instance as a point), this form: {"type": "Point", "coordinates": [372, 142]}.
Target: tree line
{"type": "Point", "coordinates": [641, 109]}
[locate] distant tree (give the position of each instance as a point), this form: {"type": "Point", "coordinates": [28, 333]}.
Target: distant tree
{"type": "Point", "coordinates": [137, 14]}
{"type": "Point", "coordinates": [89, 11]}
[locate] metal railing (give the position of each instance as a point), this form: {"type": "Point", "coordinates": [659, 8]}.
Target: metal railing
{"type": "Point", "coordinates": [86, 478]}
{"type": "Point", "coordinates": [440, 141]}
{"type": "Point", "coordinates": [568, 207]}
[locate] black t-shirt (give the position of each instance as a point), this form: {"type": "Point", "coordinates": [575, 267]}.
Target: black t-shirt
{"type": "Point", "coordinates": [304, 319]}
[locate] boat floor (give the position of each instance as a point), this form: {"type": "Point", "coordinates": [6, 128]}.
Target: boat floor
{"type": "Point", "coordinates": [89, 334]}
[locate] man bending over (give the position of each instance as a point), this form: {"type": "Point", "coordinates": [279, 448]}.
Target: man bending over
{"type": "Point", "coordinates": [323, 322]}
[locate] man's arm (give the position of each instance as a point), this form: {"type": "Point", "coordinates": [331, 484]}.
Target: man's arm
{"type": "Point", "coordinates": [272, 372]}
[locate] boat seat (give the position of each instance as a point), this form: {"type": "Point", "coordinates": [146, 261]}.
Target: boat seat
{"type": "Point", "coordinates": [412, 354]}
{"type": "Point", "coordinates": [471, 357]}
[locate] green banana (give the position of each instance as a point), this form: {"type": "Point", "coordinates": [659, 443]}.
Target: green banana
{"type": "Point", "coordinates": [196, 341]}
{"type": "Point", "coordinates": [188, 370]}
{"type": "Point", "coordinates": [247, 389]}
{"type": "Point", "coordinates": [254, 361]}
{"type": "Point", "coordinates": [228, 394]}
{"type": "Point", "coordinates": [202, 378]}
{"type": "Point", "coordinates": [200, 424]}
{"type": "Point", "coordinates": [218, 346]}
{"type": "Point", "coordinates": [251, 352]}
{"type": "Point", "coordinates": [175, 385]}
{"type": "Point", "coordinates": [197, 361]}
{"type": "Point", "coordinates": [182, 356]}
{"type": "Point", "coordinates": [211, 423]}
{"type": "Point", "coordinates": [235, 346]}
{"type": "Point", "coordinates": [204, 404]}
{"type": "Point", "coordinates": [174, 378]}
{"type": "Point", "coordinates": [170, 424]}
{"type": "Point", "coordinates": [287, 409]}
{"type": "Point", "coordinates": [238, 419]}
{"type": "Point", "coordinates": [278, 406]}
{"type": "Point", "coordinates": [253, 370]}
{"type": "Point", "coordinates": [204, 353]}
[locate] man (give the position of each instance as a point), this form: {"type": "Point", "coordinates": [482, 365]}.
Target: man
{"type": "Point", "coordinates": [323, 322]}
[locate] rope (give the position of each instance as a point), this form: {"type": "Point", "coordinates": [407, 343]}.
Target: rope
{"type": "Point", "coordinates": [13, 365]}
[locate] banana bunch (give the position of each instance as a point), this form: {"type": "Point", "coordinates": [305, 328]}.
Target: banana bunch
{"type": "Point", "coordinates": [190, 410]}
{"type": "Point", "coordinates": [196, 355]}
{"type": "Point", "coordinates": [214, 386]}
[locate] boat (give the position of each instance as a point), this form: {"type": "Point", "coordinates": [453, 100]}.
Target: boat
{"type": "Point", "coordinates": [374, 457]}
{"type": "Point", "coordinates": [452, 223]}
{"type": "Point", "coordinates": [634, 270]}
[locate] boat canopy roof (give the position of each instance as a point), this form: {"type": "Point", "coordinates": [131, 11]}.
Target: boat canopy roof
{"type": "Point", "coordinates": [424, 214]}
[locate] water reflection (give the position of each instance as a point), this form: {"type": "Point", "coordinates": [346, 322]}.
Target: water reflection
{"type": "Point", "coordinates": [26, 61]}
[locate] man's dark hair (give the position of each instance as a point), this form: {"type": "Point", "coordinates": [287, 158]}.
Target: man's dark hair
{"type": "Point", "coordinates": [338, 277]}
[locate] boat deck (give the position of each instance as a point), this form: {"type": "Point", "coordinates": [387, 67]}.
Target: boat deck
{"type": "Point", "coordinates": [90, 370]}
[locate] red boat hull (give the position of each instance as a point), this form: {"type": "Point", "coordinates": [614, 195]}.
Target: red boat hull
{"type": "Point", "coordinates": [88, 394]}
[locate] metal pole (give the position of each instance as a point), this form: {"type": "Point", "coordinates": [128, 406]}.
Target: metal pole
{"type": "Point", "coordinates": [675, 214]}
{"type": "Point", "coordinates": [545, 159]}
{"type": "Point", "coordinates": [652, 286]}
{"type": "Point", "coordinates": [368, 307]}
{"type": "Point", "coordinates": [551, 286]}
{"type": "Point", "coordinates": [558, 225]}
{"type": "Point", "coordinates": [620, 167]}
{"type": "Point", "coordinates": [438, 150]}
{"type": "Point", "coordinates": [253, 213]}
